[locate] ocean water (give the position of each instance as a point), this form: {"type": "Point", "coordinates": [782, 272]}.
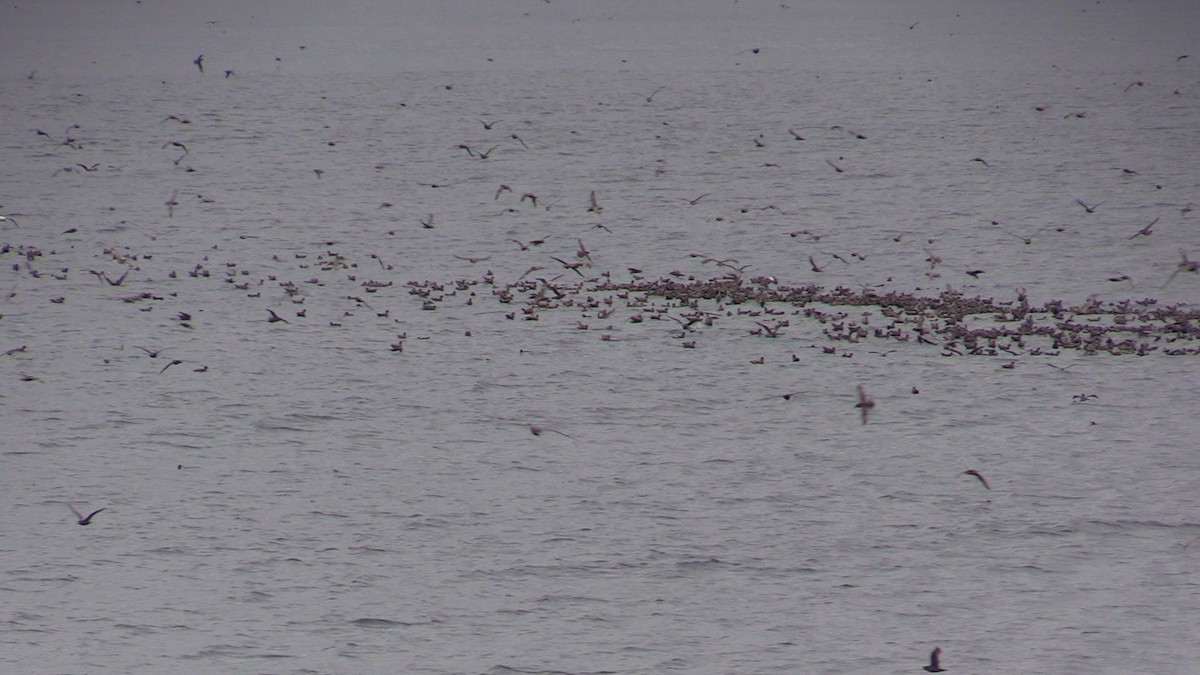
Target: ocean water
{"type": "Point", "coordinates": [356, 488]}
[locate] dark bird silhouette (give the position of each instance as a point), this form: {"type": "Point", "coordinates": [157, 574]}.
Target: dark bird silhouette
{"type": "Point", "coordinates": [573, 266]}
{"type": "Point", "coordinates": [179, 145]}
{"type": "Point", "coordinates": [835, 166]}
{"type": "Point", "coordinates": [594, 207]}
{"type": "Point", "coordinates": [1185, 265]}
{"type": "Point", "coordinates": [1135, 83]}
{"type": "Point", "coordinates": [934, 666]}
{"type": "Point", "coordinates": [9, 219]}
{"type": "Point", "coordinates": [120, 280]}
{"type": "Point", "coordinates": [1145, 231]}
{"type": "Point", "coordinates": [151, 353]}
{"type": "Point", "coordinates": [82, 519]}
{"type": "Point", "coordinates": [174, 362]}
{"type": "Point", "coordinates": [812, 262]}
{"type": "Point", "coordinates": [865, 403]}
{"type": "Point", "coordinates": [1089, 209]}
{"type": "Point", "coordinates": [538, 430]}
{"type": "Point", "coordinates": [275, 317]}
{"type": "Point", "coordinates": [650, 98]}
{"type": "Point", "coordinates": [973, 472]}
{"type": "Point", "coordinates": [525, 247]}
{"type": "Point", "coordinates": [982, 161]}
{"type": "Point", "coordinates": [199, 62]}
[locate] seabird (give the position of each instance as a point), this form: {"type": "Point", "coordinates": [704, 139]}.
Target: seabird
{"type": "Point", "coordinates": [933, 666]}
{"type": "Point", "coordinates": [84, 520]}
{"type": "Point", "coordinates": [538, 430]}
{"type": "Point", "coordinates": [973, 472]}
{"type": "Point", "coordinates": [472, 259]}
{"type": "Point", "coordinates": [1145, 231]}
{"type": "Point", "coordinates": [865, 403]}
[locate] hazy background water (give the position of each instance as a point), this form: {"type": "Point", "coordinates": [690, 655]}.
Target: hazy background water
{"type": "Point", "coordinates": [302, 498]}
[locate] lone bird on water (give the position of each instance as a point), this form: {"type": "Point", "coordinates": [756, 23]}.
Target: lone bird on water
{"type": "Point", "coordinates": [933, 666]}
{"type": "Point", "coordinates": [84, 520]}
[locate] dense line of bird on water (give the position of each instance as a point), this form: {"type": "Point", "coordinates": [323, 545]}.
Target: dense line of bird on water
{"type": "Point", "coordinates": [945, 320]}
{"type": "Point", "coordinates": [953, 322]}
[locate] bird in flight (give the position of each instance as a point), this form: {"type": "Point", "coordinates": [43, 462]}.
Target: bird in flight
{"type": "Point", "coordinates": [1185, 265]}
{"type": "Point", "coordinates": [1145, 231]}
{"type": "Point", "coordinates": [865, 403]}
{"type": "Point", "coordinates": [84, 520]}
{"type": "Point", "coordinates": [538, 430]}
{"type": "Point", "coordinates": [472, 259]}
{"type": "Point", "coordinates": [934, 666]}
{"type": "Point", "coordinates": [199, 62]}
{"type": "Point", "coordinates": [973, 472]}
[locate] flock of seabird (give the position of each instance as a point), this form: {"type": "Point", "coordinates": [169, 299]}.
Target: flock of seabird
{"type": "Point", "coordinates": [949, 322]}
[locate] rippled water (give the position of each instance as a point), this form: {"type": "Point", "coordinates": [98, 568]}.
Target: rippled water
{"type": "Point", "coordinates": [305, 497]}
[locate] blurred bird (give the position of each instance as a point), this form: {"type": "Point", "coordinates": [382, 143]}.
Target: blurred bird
{"type": "Point", "coordinates": [933, 666]}
{"type": "Point", "coordinates": [973, 472]}
{"type": "Point", "coordinates": [865, 403]}
{"type": "Point", "coordinates": [82, 519]}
